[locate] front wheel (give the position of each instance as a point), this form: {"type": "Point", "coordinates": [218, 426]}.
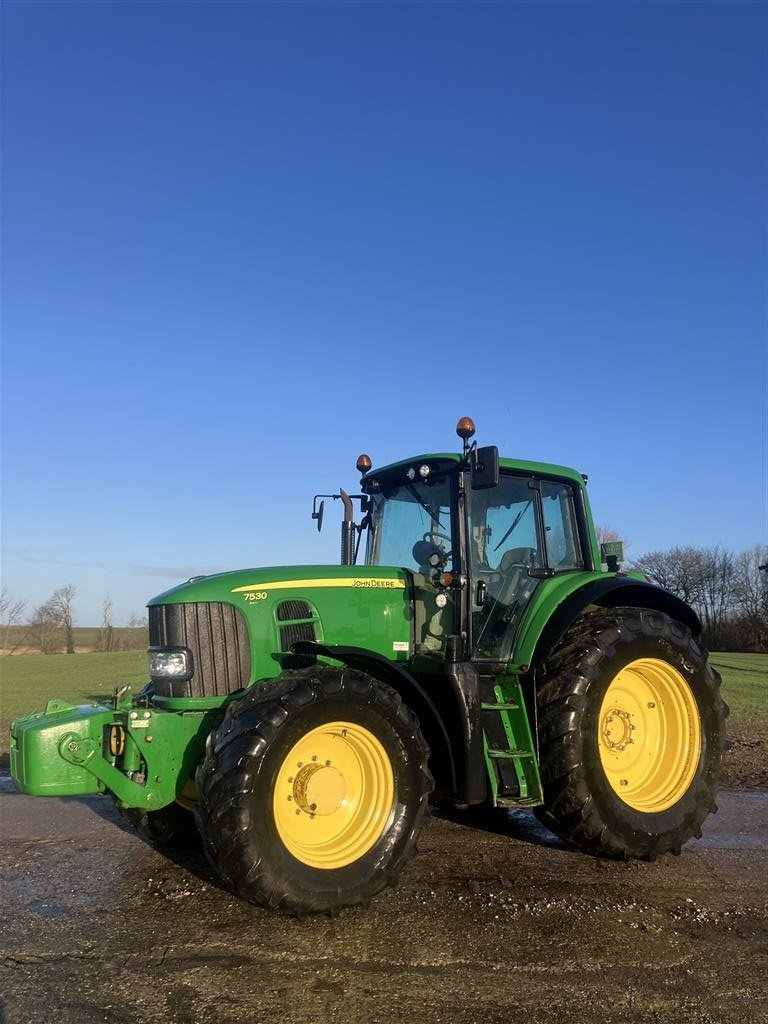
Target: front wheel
{"type": "Point", "coordinates": [313, 791]}
{"type": "Point", "coordinates": [631, 733]}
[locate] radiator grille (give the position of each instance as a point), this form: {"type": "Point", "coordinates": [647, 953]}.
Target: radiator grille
{"type": "Point", "coordinates": [218, 638]}
{"type": "Point", "coordinates": [293, 610]}
{"type": "Point", "coordinates": [296, 631]}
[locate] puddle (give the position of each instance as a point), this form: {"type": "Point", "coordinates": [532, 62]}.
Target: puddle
{"type": "Point", "coordinates": [741, 823]}
{"type": "Point", "coordinates": [47, 909]}
{"type": "Point", "coordinates": [6, 785]}
{"type": "Point", "coordinates": [527, 826]}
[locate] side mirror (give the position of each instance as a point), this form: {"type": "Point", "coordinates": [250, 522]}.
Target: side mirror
{"type": "Point", "coordinates": [318, 515]}
{"type": "Point", "coordinates": [485, 467]}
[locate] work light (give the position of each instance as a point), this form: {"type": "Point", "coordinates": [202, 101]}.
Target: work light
{"type": "Point", "coordinates": [173, 663]}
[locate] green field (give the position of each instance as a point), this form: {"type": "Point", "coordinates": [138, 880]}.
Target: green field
{"type": "Point", "coordinates": [27, 681]}
{"type": "Point", "coordinates": [745, 684]}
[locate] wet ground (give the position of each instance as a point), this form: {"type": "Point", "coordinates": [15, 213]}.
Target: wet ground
{"type": "Point", "coordinates": [485, 926]}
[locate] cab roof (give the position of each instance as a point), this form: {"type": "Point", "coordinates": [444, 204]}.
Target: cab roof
{"type": "Point", "coordinates": [546, 469]}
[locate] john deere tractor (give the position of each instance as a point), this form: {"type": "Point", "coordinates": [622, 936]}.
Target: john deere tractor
{"type": "Point", "coordinates": [299, 720]}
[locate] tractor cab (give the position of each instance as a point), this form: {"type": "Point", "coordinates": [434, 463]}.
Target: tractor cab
{"type": "Point", "coordinates": [479, 534]}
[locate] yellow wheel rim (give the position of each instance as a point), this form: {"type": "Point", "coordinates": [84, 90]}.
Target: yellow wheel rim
{"type": "Point", "coordinates": [187, 796]}
{"type": "Point", "coordinates": [333, 795]}
{"type": "Point", "coordinates": [649, 735]}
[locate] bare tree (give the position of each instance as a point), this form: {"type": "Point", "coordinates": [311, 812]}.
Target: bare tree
{"type": "Point", "coordinates": [44, 630]}
{"type": "Point", "coordinates": [51, 625]}
{"type": "Point", "coordinates": [61, 602]}
{"type": "Point", "coordinates": [11, 611]}
{"type": "Point", "coordinates": [606, 534]}
{"type": "Point", "coordinates": [136, 635]}
{"type": "Point", "coordinates": [716, 597]}
{"type": "Point", "coordinates": [106, 641]}
{"type": "Point", "coordinates": [750, 592]}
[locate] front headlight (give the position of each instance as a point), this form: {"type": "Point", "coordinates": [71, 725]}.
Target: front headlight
{"type": "Point", "coordinates": [173, 663]}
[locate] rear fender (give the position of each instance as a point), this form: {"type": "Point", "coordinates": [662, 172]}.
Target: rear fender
{"type": "Point", "coordinates": [611, 592]}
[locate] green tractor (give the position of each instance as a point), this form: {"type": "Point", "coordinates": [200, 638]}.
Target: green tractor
{"type": "Point", "coordinates": [299, 720]}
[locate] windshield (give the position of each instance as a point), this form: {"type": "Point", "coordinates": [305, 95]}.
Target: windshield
{"type": "Point", "coordinates": [411, 526]}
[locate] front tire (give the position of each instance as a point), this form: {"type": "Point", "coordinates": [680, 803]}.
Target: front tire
{"type": "Point", "coordinates": [313, 791]}
{"type": "Point", "coordinates": [631, 733]}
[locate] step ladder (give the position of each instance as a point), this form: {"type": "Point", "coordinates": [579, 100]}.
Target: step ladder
{"type": "Point", "coordinates": [510, 755]}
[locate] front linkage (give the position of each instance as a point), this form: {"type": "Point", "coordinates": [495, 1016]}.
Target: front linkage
{"type": "Point", "coordinates": [143, 754]}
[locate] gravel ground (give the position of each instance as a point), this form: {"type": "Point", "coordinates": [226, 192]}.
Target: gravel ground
{"type": "Point", "coordinates": [487, 925]}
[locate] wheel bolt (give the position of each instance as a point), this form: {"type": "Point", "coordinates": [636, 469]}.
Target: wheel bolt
{"type": "Point", "coordinates": [623, 782]}
{"type": "Point", "coordinates": [327, 764]}
{"type": "Point", "coordinates": [651, 704]}
{"type": "Point", "coordinates": [290, 778]}
{"type": "Point", "coordinates": [314, 757]}
{"type": "Point", "coordinates": [298, 811]}
{"type": "Point", "coordinates": [290, 798]}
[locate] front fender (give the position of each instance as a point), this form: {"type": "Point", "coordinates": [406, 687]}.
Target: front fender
{"type": "Point", "coordinates": [412, 692]}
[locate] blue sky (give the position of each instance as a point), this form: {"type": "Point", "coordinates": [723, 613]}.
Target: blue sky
{"type": "Point", "coordinates": [243, 243]}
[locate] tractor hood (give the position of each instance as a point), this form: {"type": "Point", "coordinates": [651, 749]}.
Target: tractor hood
{"type": "Point", "coordinates": [240, 626]}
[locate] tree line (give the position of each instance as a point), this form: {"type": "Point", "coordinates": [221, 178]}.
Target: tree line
{"type": "Point", "coordinates": [728, 590]}
{"type": "Point", "coordinates": [50, 627]}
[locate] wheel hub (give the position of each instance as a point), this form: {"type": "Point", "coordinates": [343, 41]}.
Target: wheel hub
{"type": "Point", "coordinates": [617, 729]}
{"type": "Point", "coordinates": [319, 789]}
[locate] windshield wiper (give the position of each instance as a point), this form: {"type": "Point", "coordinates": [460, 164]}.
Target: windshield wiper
{"type": "Point", "coordinates": [515, 521]}
{"type": "Point", "coordinates": [412, 490]}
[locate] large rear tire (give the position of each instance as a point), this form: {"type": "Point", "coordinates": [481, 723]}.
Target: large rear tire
{"type": "Point", "coordinates": [313, 791]}
{"type": "Point", "coordinates": [631, 733]}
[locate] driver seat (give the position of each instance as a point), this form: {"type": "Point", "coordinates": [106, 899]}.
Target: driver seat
{"type": "Point", "coordinates": [513, 570]}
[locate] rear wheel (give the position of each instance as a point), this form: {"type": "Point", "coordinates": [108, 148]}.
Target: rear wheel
{"type": "Point", "coordinates": [313, 792]}
{"type": "Point", "coordinates": [631, 732]}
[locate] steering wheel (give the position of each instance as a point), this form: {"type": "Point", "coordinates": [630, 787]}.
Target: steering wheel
{"type": "Point", "coordinates": [429, 537]}
{"type": "Point", "coordinates": [425, 548]}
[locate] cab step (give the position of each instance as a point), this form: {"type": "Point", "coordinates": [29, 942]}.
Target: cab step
{"type": "Point", "coordinates": [510, 755]}
{"type": "Point", "coordinates": [490, 752]}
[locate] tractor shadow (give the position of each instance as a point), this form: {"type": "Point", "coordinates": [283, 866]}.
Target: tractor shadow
{"type": "Point", "coordinates": [518, 824]}
{"type": "Point", "coordinates": [188, 857]}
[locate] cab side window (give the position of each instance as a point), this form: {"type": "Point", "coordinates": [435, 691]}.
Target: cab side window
{"type": "Point", "coordinates": [561, 534]}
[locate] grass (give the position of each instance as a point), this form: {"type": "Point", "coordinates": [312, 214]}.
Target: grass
{"type": "Point", "coordinates": [745, 685]}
